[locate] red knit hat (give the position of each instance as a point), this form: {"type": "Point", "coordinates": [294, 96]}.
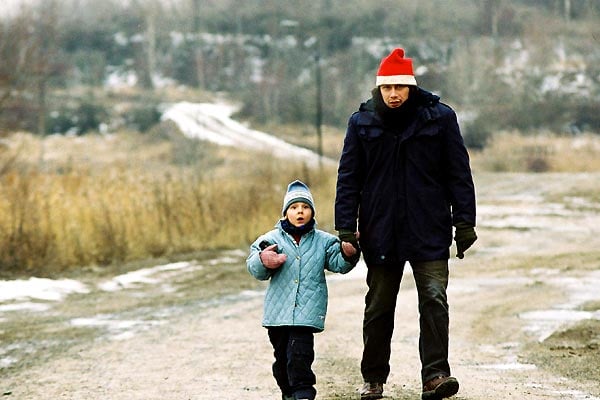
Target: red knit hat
{"type": "Point", "coordinates": [396, 70]}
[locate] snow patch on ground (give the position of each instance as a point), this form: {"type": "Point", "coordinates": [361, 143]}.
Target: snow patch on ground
{"type": "Point", "coordinates": [40, 289]}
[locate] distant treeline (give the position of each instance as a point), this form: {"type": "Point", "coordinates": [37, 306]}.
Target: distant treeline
{"type": "Point", "coordinates": [519, 65]}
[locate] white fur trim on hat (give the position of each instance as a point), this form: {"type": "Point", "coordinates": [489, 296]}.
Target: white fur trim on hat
{"type": "Point", "coordinates": [396, 80]}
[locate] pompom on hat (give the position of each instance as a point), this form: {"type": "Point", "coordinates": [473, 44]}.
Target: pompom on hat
{"type": "Point", "coordinates": [297, 191]}
{"type": "Point", "coordinates": [396, 70]}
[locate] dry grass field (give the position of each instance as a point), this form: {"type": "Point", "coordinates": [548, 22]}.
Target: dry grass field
{"type": "Point", "coordinates": [68, 202]}
{"type": "Point", "coordinates": [95, 200]}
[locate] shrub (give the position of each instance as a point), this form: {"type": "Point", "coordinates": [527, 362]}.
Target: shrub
{"type": "Point", "coordinates": [477, 134]}
{"type": "Point", "coordinates": [86, 117]}
{"type": "Point", "coordinates": [144, 117]}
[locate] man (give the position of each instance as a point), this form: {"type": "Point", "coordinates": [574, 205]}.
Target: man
{"type": "Point", "coordinates": [404, 175]}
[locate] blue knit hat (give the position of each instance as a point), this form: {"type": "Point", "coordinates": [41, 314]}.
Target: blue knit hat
{"type": "Point", "coordinates": [297, 191]}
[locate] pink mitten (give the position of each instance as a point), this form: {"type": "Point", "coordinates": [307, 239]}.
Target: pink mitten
{"type": "Point", "coordinates": [270, 258]}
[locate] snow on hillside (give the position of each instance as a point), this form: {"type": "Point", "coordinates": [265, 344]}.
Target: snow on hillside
{"type": "Point", "coordinates": [212, 122]}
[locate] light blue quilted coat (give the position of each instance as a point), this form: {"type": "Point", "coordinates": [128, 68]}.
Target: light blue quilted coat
{"type": "Point", "coordinates": [297, 292]}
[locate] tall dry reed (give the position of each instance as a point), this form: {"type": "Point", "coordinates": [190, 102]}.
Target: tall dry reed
{"type": "Point", "coordinates": [53, 219]}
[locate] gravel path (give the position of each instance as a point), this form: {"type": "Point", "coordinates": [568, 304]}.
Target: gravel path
{"type": "Point", "coordinates": [216, 348]}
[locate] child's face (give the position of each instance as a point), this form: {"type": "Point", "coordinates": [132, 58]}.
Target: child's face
{"type": "Point", "coordinates": [299, 213]}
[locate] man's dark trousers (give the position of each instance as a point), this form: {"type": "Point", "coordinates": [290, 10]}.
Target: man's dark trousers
{"type": "Point", "coordinates": [431, 279]}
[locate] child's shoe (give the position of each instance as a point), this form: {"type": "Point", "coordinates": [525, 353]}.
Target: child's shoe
{"type": "Point", "coordinates": [371, 391]}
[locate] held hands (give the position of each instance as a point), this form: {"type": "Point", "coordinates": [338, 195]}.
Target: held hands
{"type": "Point", "coordinates": [348, 249]}
{"type": "Point", "coordinates": [347, 235]}
{"type": "Point", "coordinates": [270, 258]}
{"type": "Point", "coordinates": [464, 236]}
{"type": "Point", "coordinates": [349, 245]}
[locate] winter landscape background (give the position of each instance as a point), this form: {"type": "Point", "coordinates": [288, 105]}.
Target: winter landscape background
{"type": "Point", "coordinates": [525, 65]}
{"type": "Point", "coordinates": [145, 143]}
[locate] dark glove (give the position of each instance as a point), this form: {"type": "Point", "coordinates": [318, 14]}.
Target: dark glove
{"type": "Point", "coordinates": [464, 236]}
{"type": "Point", "coordinates": [346, 235]}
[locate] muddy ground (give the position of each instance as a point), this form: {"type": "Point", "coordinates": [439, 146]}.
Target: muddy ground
{"type": "Point", "coordinates": [524, 317]}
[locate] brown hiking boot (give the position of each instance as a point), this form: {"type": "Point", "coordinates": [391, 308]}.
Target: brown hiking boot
{"type": "Point", "coordinates": [371, 391]}
{"type": "Point", "coordinates": [439, 388]}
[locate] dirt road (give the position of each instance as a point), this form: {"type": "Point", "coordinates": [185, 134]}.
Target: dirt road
{"type": "Point", "coordinates": [195, 333]}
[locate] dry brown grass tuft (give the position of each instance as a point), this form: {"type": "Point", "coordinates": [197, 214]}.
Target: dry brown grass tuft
{"type": "Point", "coordinates": [545, 152]}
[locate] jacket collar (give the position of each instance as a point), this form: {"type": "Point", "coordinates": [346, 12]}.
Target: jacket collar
{"type": "Point", "coordinates": [426, 110]}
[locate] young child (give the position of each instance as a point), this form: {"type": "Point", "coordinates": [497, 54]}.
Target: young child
{"type": "Point", "coordinates": [294, 256]}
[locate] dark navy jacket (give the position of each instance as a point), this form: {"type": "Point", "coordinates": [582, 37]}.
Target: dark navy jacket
{"type": "Point", "coordinates": [405, 187]}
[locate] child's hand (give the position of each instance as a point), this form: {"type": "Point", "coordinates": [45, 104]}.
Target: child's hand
{"type": "Point", "coordinates": [270, 258]}
{"type": "Point", "coordinates": [348, 249]}
{"type": "Point", "coordinates": [346, 235]}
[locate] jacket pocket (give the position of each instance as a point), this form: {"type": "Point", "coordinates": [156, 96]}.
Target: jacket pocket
{"type": "Point", "coordinates": [370, 134]}
{"type": "Point", "coordinates": [429, 131]}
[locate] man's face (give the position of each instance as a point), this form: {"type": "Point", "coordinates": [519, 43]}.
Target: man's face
{"type": "Point", "coordinates": [394, 95]}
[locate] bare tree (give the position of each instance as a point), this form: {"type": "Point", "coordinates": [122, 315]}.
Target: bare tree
{"type": "Point", "coordinates": [150, 18]}
{"type": "Point", "coordinates": [45, 57]}
{"type": "Point", "coordinates": [490, 11]}
{"type": "Point", "coordinates": [148, 10]}
{"type": "Point", "coordinates": [567, 10]}
{"type": "Point", "coordinates": [17, 51]}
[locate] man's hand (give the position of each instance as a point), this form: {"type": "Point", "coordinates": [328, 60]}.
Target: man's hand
{"type": "Point", "coordinates": [270, 258]}
{"type": "Point", "coordinates": [464, 236]}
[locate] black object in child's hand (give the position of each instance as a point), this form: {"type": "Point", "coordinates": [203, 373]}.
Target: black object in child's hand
{"type": "Point", "coordinates": [264, 244]}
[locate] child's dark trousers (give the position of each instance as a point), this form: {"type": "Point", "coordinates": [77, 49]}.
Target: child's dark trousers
{"type": "Point", "coordinates": [294, 354]}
